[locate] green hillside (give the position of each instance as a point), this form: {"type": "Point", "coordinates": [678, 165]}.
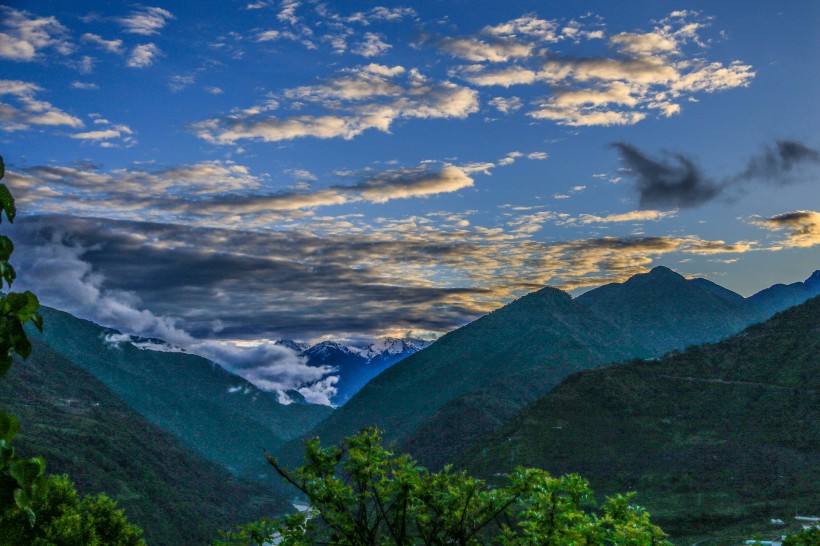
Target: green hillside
{"type": "Point", "coordinates": [84, 430]}
{"type": "Point", "coordinates": [217, 414]}
{"type": "Point", "coordinates": [527, 346]}
{"type": "Point", "coordinates": [719, 438]}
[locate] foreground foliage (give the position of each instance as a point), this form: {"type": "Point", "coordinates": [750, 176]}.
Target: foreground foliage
{"type": "Point", "coordinates": [360, 493]}
{"type": "Point", "coordinates": [36, 509]}
{"type": "Point", "coordinates": [63, 518]}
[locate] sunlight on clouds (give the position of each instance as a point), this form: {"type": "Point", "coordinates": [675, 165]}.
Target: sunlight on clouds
{"type": "Point", "coordinates": [803, 227]}
{"type": "Point", "coordinates": [652, 73]}
{"type": "Point", "coordinates": [367, 97]}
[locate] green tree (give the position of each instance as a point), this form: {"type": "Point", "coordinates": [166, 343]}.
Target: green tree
{"type": "Point", "coordinates": [65, 519]}
{"type": "Point", "coordinates": [807, 537]}
{"type": "Point", "coordinates": [360, 493]}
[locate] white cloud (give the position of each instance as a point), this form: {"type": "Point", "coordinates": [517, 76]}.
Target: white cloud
{"type": "Point", "coordinates": [528, 25]}
{"type": "Point", "coordinates": [368, 97]}
{"type": "Point", "coordinates": [371, 46]}
{"type": "Point", "coordinates": [84, 85]}
{"type": "Point", "coordinates": [29, 111]}
{"type": "Point", "coordinates": [632, 216]}
{"type": "Point", "coordinates": [146, 20]}
{"type": "Point", "coordinates": [507, 105]}
{"type": "Point", "coordinates": [653, 72]}
{"type": "Point", "coordinates": [111, 46]}
{"type": "Point", "coordinates": [144, 55]}
{"type": "Point", "coordinates": [24, 36]}
{"type": "Point", "coordinates": [474, 49]}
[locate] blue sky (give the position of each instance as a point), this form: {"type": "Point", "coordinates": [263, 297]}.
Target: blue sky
{"type": "Point", "coordinates": [243, 171]}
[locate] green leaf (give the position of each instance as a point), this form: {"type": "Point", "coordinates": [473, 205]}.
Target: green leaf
{"type": "Point", "coordinates": [26, 471]}
{"type": "Point", "coordinates": [6, 248]}
{"type": "Point", "coordinates": [9, 426]}
{"type": "Point", "coordinates": [7, 272]}
{"type": "Point", "coordinates": [7, 203]}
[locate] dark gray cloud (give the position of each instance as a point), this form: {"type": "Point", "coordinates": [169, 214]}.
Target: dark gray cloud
{"type": "Point", "coordinates": [676, 181]}
{"type": "Point", "coordinates": [251, 284]}
{"type": "Point", "coordinates": [775, 163]}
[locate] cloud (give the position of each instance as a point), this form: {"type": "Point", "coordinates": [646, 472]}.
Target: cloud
{"type": "Point", "coordinates": [661, 183]}
{"type": "Point", "coordinates": [28, 110]}
{"type": "Point", "coordinates": [107, 133]}
{"type": "Point", "coordinates": [507, 105]}
{"type": "Point", "coordinates": [111, 46]}
{"type": "Point", "coordinates": [146, 20]}
{"type": "Point", "coordinates": [652, 72]}
{"type": "Point", "coordinates": [57, 270]}
{"type": "Point", "coordinates": [676, 181]}
{"type": "Point", "coordinates": [529, 25]}
{"type": "Point", "coordinates": [359, 99]}
{"type": "Point", "coordinates": [24, 35]}
{"type": "Point", "coordinates": [144, 55]}
{"type": "Point", "coordinates": [474, 49]}
{"type": "Point", "coordinates": [88, 86]}
{"type": "Point", "coordinates": [632, 216]}
{"type": "Point", "coordinates": [371, 46]}
{"type": "Point", "coordinates": [776, 162]}
{"type": "Point", "coordinates": [803, 227]}
{"type": "Point", "coordinates": [206, 191]}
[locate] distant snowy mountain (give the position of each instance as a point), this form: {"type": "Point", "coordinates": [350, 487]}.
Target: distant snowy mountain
{"type": "Point", "coordinates": [354, 366]}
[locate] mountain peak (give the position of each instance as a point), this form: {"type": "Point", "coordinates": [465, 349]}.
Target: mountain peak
{"type": "Point", "coordinates": [663, 271]}
{"type": "Point", "coordinates": [815, 278]}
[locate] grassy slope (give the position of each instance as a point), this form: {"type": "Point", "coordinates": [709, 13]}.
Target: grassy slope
{"type": "Point", "coordinates": [84, 430]}
{"type": "Point", "coordinates": [720, 438]}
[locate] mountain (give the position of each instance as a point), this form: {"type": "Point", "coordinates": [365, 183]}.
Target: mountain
{"type": "Point", "coordinates": [445, 398]}
{"type": "Point", "coordinates": [518, 352]}
{"type": "Point", "coordinates": [667, 312]}
{"type": "Point", "coordinates": [781, 296]}
{"type": "Point", "coordinates": [355, 366]}
{"type": "Point", "coordinates": [219, 415]}
{"type": "Point", "coordinates": [83, 429]}
{"type": "Point", "coordinates": [721, 436]}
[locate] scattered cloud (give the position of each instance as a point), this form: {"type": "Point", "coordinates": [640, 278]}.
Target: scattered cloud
{"type": "Point", "coordinates": [632, 216]}
{"type": "Point", "coordinates": [371, 46]}
{"type": "Point", "coordinates": [144, 55]}
{"type": "Point", "coordinates": [24, 36]}
{"type": "Point", "coordinates": [111, 46]}
{"type": "Point", "coordinates": [146, 20]}
{"type": "Point", "coordinates": [507, 105]}
{"type": "Point", "coordinates": [652, 72]}
{"type": "Point", "coordinates": [87, 86]}
{"type": "Point", "coordinates": [367, 97]}
{"type": "Point", "coordinates": [26, 111]}
{"type": "Point", "coordinates": [676, 181]}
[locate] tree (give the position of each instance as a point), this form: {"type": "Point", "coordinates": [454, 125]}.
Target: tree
{"type": "Point", "coordinates": [806, 537]}
{"type": "Point", "coordinates": [360, 493]}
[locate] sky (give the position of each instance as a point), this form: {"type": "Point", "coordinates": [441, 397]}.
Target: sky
{"type": "Point", "coordinates": [223, 174]}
